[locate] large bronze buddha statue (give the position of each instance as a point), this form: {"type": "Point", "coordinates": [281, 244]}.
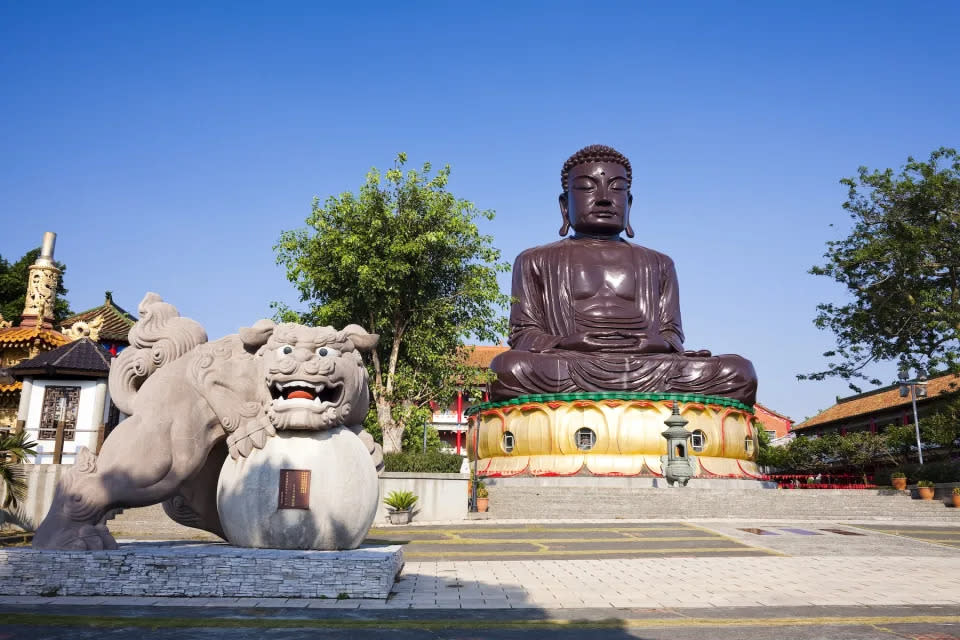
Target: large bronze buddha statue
{"type": "Point", "coordinates": [594, 312]}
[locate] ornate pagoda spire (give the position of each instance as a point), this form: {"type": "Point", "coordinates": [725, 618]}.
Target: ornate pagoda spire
{"type": "Point", "coordinates": [41, 287]}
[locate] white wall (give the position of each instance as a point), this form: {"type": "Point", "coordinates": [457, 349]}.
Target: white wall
{"type": "Point", "coordinates": [87, 423]}
{"type": "Point", "coordinates": [440, 496]}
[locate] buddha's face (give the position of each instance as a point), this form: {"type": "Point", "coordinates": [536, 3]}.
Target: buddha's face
{"type": "Point", "coordinates": [598, 198]}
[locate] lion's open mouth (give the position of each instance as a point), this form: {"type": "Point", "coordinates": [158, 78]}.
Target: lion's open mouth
{"type": "Point", "coordinates": [317, 393]}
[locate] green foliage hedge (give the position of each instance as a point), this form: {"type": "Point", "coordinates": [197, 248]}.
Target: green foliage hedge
{"type": "Point", "coordinates": [939, 471]}
{"type": "Point", "coordinates": [429, 462]}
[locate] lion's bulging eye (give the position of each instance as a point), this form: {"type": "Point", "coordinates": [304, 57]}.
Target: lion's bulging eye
{"type": "Point", "coordinates": [327, 352]}
{"type": "Point", "coordinates": [285, 350]}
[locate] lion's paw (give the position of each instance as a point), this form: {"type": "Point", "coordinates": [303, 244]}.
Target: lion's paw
{"type": "Point", "coordinates": [84, 537]}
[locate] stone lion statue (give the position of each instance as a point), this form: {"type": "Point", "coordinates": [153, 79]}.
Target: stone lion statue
{"type": "Point", "coordinates": [191, 403]}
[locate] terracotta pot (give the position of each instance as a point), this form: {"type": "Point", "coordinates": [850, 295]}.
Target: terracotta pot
{"type": "Point", "coordinates": [483, 504]}
{"type": "Point", "coordinates": [956, 500]}
{"type": "Point", "coordinates": [899, 483]}
{"type": "Point", "coordinates": [925, 493]}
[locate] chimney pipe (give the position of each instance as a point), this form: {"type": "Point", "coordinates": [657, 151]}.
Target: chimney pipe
{"type": "Point", "coordinates": [46, 250]}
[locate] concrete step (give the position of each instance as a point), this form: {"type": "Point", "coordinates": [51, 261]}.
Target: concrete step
{"type": "Point", "coordinates": [521, 500]}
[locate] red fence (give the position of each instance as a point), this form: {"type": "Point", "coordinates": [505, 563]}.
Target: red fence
{"type": "Point", "coordinates": [820, 481]}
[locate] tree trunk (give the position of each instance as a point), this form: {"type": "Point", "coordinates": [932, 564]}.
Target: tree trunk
{"type": "Point", "coordinates": [392, 432]}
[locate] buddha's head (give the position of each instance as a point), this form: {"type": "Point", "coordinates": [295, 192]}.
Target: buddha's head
{"type": "Point", "coordinates": [596, 194]}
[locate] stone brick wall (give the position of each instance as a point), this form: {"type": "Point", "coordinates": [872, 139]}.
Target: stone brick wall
{"type": "Point", "coordinates": [189, 569]}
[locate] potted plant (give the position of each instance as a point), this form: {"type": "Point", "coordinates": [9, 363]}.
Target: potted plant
{"type": "Point", "coordinates": [483, 497]}
{"type": "Point", "coordinates": [956, 497]}
{"type": "Point", "coordinates": [925, 489]}
{"type": "Point", "coordinates": [400, 504]}
{"type": "Point", "coordinates": [899, 480]}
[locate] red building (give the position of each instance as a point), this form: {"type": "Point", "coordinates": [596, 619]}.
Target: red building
{"type": "Point", "coordinates": [775, 424]}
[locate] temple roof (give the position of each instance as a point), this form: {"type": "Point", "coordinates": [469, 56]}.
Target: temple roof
{"type": "Point", "coordinates": [26, 336]}
{"type": "Point", "coordinates": [12, 388]}
{"type": "Point", "coordinates": [480, 356]}
{"type": "Point", "coordinates": [82, 357]}
{"type": "Point", "coordinates": [878, 400]}
{"type": "Point", "coordinates": [117, 322]}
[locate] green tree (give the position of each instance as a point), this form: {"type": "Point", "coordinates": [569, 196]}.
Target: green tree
{"type": "Point", "coordinates": [414, 420]}
{"type": "Point", "coordinates": [942, 428]}
{"type": "Point", "coordinates": [901, 441]}
{"type": "Point", "coordinates": [403, 258]}
{"type": "Point", "coordinates": [901, 265]}
{"type": "Point", "coordinates": [14, 449]}
{"type": "Point", "coordinates": [13, 288]}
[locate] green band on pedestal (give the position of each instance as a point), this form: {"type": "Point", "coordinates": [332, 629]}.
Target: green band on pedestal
{"type": "Point", "coordinates": [610, 395]}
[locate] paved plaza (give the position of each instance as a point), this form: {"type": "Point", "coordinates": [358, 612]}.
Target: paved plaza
{"type": "Point", "coordinates": [639, 579]}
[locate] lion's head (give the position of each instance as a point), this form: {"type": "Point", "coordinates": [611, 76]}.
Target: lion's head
{"type": "Point", "coordinates": [315, 375]}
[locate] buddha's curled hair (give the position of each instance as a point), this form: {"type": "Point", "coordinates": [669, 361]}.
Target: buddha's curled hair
{"type": "Point", "coordinates": [159, 337]}
{"type": "Point", "coordinates": [594, 153]}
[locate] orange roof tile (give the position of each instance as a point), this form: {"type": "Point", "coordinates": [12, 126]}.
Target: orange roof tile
{"type": "Point", "coordinates": [11, 388]}
{"type": "Point", "coordinates": [24, 336]}
{"type": "Point", "coordinates": [480, 356]}
{"type": "Point", "coordinates": [884, 398]}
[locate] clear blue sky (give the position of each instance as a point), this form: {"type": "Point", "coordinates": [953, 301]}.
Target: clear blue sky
{"type": "Point", "coordinates": [168, 144]}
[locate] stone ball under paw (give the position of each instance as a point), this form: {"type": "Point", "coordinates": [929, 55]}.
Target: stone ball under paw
{"type": "Point", "coordinates": [341, 495]}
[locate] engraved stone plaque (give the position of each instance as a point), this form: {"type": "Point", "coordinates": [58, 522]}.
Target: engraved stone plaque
{"type": "Point", "coordinates": [294, 489]}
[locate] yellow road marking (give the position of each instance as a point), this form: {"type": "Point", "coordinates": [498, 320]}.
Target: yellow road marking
{"type": "Point", "coordinates": [584, 552]}
{"type": "Point", "coordinates": [786, 622]}
{"type": "Point", "coordinates": [483, 541]}
{"type": "Point", "coordinates": [914, 531]}
{"type": "Point", "coordinates": [772, 552]}
{"type": "Point", "coordinates": [415, 531]}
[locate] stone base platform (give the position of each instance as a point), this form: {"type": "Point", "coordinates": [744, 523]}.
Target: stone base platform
{"type": "Point", "coordinates": [200, 569]}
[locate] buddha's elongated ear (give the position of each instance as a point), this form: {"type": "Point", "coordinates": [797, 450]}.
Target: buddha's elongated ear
{"type": "Point", "coordinates": [626, 215]}
{"type": "Point", "coordinates": [563, 213]}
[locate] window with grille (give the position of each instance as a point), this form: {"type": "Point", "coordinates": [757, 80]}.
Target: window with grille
{"type": "Point", "coordinates": [508, 442]}
{"type": "Point", "coordinates": [60, 405]}
{"type": "Point", "coordinates": [698, 441]}
{"type": "Point", "coordinates": [585, 439]}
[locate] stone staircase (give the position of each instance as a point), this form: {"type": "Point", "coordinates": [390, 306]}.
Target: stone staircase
{"type": "Point", "coordinates": [556, 501]}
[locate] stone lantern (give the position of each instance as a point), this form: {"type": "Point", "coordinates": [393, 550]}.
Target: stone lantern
{"type": "Point", "coordinates": [677, 465]}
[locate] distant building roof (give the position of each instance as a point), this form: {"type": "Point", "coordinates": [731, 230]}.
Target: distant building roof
{"type": "Point", "coordinates": [480, 355]}
{"type": "Point", "coordinates": [81, 358]}
{"type": "Point", "coordinates": [878, 400]}
{"type": "Point", "coordinates": [117, 322]}
{"type": "Point", "coordinates": [772, 412]}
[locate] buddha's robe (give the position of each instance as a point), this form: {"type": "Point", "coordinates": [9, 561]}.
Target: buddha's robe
{"type": "Point", "coordinates": [549, 291]}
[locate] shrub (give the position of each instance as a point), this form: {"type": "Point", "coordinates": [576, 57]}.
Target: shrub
{"type": "Point", "coordinates": [482, 490]}
{"type": "Point", "coordinates": [429, 462]}
{"type": "Point", "coordinates": [939, 471]}
{"type": "Point", "coordinates": [956, 491]}
{"type": "Point", "coordinates": [400, 500]}
{"type": "Point", "coordinates": [898, 474]}
{"type": "Point", "coordinates": [924, 483]}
